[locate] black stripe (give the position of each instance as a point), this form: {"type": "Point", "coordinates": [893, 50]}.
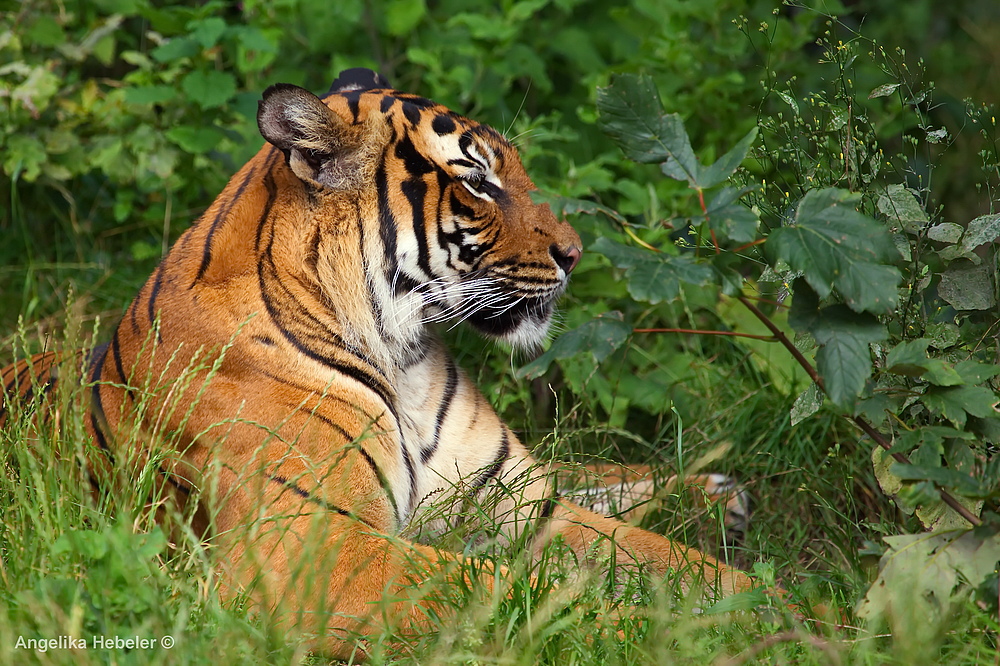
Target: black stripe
{"type": "Point", "coordinates": [282, 481]}
{"type": "Point", "coordinates": [353, 98]}
{"type": "Point", "coordinates": [410, 472]}
{"type": "Point", "coordinates": [415, 163]}
{"type": "Point", "coordinates": [386, 219]}
{"type": "Point", "coordinates": [548, 506]}
{"type": "Point", "coordinates": [154, 293]}
{"type": "Point", "coordinates": [116, 352]}
{"type": "Point", "coordinates": [323, 397]}
{"type": "Point", "coordinates": [490, 472]}
{"type": "Point", "coordinates": [384, 482]}
{"type": "Point", "coordinates": [223, 213]}
{"type": "Point", "coordinates": [282, 318]}
{"type": "Point", "coordinates": [348, 438]}
{"type": "Point", "coordinates": [133, 316]}
{"type": "Point", "coordinates": [412, 113]}
{"type": "Point", "coordinates": [443, 124]}
{"type": "Point", "coordinates": [272, 190]}
{"type": "Point", "coordinates": [450, 387]}
{"type": "Point", "coordinates": [367, 270]}
{"type": "Point", "coordinates": [97, 415]}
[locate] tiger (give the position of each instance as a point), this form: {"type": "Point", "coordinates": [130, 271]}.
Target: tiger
{"type": "Point", "coordinates": [286, 351]}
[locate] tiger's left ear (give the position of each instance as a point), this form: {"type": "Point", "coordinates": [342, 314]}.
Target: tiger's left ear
{"type": "Point", "coordinates": [320, 145]}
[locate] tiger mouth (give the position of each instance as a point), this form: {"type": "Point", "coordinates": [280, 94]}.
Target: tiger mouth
{"type": "Point", "coordinates": [534, 313]}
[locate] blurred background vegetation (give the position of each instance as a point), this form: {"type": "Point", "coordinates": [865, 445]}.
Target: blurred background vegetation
{"type": "Point", "coordinates": [120, 120]}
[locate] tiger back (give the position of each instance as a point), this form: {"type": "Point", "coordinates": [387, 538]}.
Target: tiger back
{"type": "Point", "coordinates": [282, 359]}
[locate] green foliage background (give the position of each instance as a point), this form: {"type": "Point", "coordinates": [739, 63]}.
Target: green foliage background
{"type": "Point", "coordinates": [120, 120]}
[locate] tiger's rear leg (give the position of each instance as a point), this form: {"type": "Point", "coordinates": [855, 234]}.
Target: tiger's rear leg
{"type": "Point", "coordinates": [630, 493]}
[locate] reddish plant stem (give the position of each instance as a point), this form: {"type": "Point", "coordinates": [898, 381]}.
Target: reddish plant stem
{"type": "Point", "coordinates": [865, 427]}
{"type": "Point", "coordinates": [750, 244]}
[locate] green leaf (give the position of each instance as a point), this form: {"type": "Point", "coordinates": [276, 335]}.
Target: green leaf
{"type": "Point", "coordinates": [44, 31]}
{"type": "Point", "coordinates": [807, 404]}
{"type": "Point", "coordinates": [836, 247]}
{"type": "Point", "coordinates": [968, 287]}
{"type": "Point", "coordinates": [631, 114]}
{"type": "Point", "coordinates": [884, 90]}
{"type": "Point", "coordinates": [981, 230]}
{"type": "Point", "coordinates": [731, 220]}
{"type": "Point", "coordinates": [843, 360]}
{"type": "Point", "coordinates": [196, 140]}
{"type": "Point", "coordinates": [956, 403]}
{"type": "Point", "coordinates": [973, 373]}
{"type": "Point", "coordinates": [149, 95]}
{"type": "Point", "coordinates": [209, 89]}
{"type": "Point", "coordinates": [921, 576]}
{"type": "Point", "coordinates": [600, 336]}
{"type": "Point", "coordinates": [961, 483]}
{"type": "Point", "coordinates": [175, 49]}
{"type": "Point", "coordinates": [402, 16]}
{"type": "Point", "coordinates": [726, 165]}
{"type": "Point", "coordinates": [653, 276]}
{"type": "Point", "coordinates": [207, 31]}
{"type": "Point", "coordinates": [946, 232]}
{"type": "Point", "coordinates": [909, 358]}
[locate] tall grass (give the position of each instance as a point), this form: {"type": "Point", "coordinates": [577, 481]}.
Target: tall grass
{"type": "Point", "coordinates": [119, 563]}
{"type": "Point", "coordinates": [81, 563]}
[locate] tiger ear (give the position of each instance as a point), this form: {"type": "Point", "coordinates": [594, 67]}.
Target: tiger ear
{"type": "Point", "coordinates": [313, 137]}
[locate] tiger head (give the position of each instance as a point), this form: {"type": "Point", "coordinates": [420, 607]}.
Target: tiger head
{"type": "Point", "coordinates": [445, 199]}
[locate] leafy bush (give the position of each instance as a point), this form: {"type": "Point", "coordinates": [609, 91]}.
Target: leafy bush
{"type": "Point", "coordinates": [890, 308]}
{"type": "Point", "coordinates": [121, 119]}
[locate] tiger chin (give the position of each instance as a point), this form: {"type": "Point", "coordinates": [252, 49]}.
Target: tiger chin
{"type": "Point", "coordinates": [280, 371]}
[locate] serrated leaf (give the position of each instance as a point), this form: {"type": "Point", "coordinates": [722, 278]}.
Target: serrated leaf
{"type": "Point", "coordinates": [957, 402]}
{"type": "Point", "coordinates": [631, 114]}
{"type": "Point", "coordinates": [726, 165]}
{"type": "Point", "coordinates": [968, 287]}
{"type": "Point", "coordinates": [730, 219]}
{"type": "Point", "coordinates": [653, 277]}
{"type": "Point", "coordinates": [910, 359]}
{"type": "Point", "coordinates": [845, 364]}
{"type": "Point", "coordinates": [209, 89]}
{"type": "Point", "coordinates": [974, 373]}
{"type": "Point", "coordinates": [843, 360]}
{"type": "Point", "coordinates": [961, 483]}
{"type": "Point", "coordinates": [921, 576]}
{"type": "Point", "coordinates": [836, 247]}
{"type": "Point", "coordinates": [600, 336]}
{"type": "Point", "coordinates": [901, 205]}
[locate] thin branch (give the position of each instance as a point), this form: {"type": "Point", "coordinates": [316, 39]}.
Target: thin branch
{"type": "Point", "coordinates": [866, 427]}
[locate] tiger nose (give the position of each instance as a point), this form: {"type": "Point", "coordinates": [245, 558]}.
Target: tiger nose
{"type": "Point", "coordinates": [566, 258]}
